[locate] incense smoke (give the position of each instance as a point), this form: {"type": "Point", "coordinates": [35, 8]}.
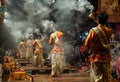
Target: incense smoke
{"type": "Point", "coordinates": [28, 16]}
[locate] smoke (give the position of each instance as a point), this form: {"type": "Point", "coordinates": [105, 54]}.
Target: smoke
{"type": "Point", "coordinates": [28, 16]}
{"type": "Point", "coordinates": [37, 14]}
{"type": "Point", "coordinates": [83, 5]}
{"type": "Point", "coordinates": [65, 4]}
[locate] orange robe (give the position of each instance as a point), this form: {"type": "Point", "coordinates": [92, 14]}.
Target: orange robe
{"type": "Point", "coordinates": [100, 69]}
{"type": "Point", "coordinates": [52, 41]}
{"type": "Point", "coordinates": [57, 53]}
{"type": "Point", "coordinates": [97, 49]}
{"type": "Point", "coordinates": [38, 58]}
{"type": "Point", "coordinates": [38, 46]}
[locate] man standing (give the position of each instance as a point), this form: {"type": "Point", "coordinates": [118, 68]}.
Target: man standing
{"type": "Point", "coordinates": [98, 40]}
{"type": "Point", "coordinates": [22, 46]}
{"type": "Point", "coordinates": [38, 53]}
{"type": "Point", "coordinates": [29, 46]}
{"type": "Point", "coordinates": [58, 59]}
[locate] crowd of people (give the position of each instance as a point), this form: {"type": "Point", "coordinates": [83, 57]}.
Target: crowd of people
{"type": "Point", "coordinates": [97, 40]}
{"type": "Point", "coordinates": [32, 50]}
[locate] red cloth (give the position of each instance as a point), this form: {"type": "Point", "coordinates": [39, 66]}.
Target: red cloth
{"type": "Point", "coordinates": [83, 49]}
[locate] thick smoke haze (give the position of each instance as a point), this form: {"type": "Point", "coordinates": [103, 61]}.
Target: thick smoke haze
{"type": "Point", "coordinates": [24, 17]}
{"type": "Point", "coordinates": [27, 15]}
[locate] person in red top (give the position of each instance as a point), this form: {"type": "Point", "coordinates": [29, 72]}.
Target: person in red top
{"type": "Point", "coordinates": [98, 40]}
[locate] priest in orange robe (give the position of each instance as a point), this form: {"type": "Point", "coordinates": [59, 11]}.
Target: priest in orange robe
{"type": "Point", "coordinates": [38, 53]}
{"type": "Point", "coordinates": [58, 59]}
{"type": "Point", "coordinates": [98, 40]}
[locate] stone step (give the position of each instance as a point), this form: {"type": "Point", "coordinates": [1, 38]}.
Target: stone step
{"type": "Point", "coordinates": [46, 70]}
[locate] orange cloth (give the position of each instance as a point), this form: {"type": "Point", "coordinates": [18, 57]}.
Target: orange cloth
{"type": "Point", "coordinates": [8, 66]}
{"type": "Point", "coordinates": [38, 46]}
{"type": "Point", "coordinates": [17, 76]}
{"type": "Point", "coordinates": [52, 41]}
{"type": "Point", "coordinates": [99, 57]}
{"type": "Point", "coordinates": [35, 44]}
{"type": "Point", "coordinates": [37, 51]}
{"type": "Point", "coordinates": [97, 49]}
{"type": "Point", "coordinates": [8, 63]}
{"type": "Point", "coordinates": [55, 50]}
{"type": "Point", "coordinates": [58, 34]}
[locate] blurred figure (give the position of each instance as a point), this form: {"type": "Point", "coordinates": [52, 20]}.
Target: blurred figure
{"type": "Point", "coordinates": [38, 52]}
{"type": "Point", "coordinates": [29, 46]}
{"type": "Point", "coordinates": [118, 62]}
{"type": "Point", "coordinates": [57, 53]}
{"type": "Point", "coordinates": [22, 46]}
{"type": "Point", "coordinates": [7, 67]}
{"type": "Point", "coordinates": [98, 40]}
{"type": "Point", "coordinates": [113, 37]}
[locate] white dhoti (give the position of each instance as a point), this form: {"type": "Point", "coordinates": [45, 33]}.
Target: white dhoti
{"type": "Point", "coordinates": [58, 63]}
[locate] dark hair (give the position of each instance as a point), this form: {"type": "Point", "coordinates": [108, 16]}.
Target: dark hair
{"type": "Point", "coordinates": [102, 18]}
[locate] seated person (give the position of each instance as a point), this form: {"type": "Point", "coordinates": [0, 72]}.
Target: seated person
{"type": "Point", "coordinates": [11, 71]}
{"type": "Point", "coordinates": [8, 65]}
